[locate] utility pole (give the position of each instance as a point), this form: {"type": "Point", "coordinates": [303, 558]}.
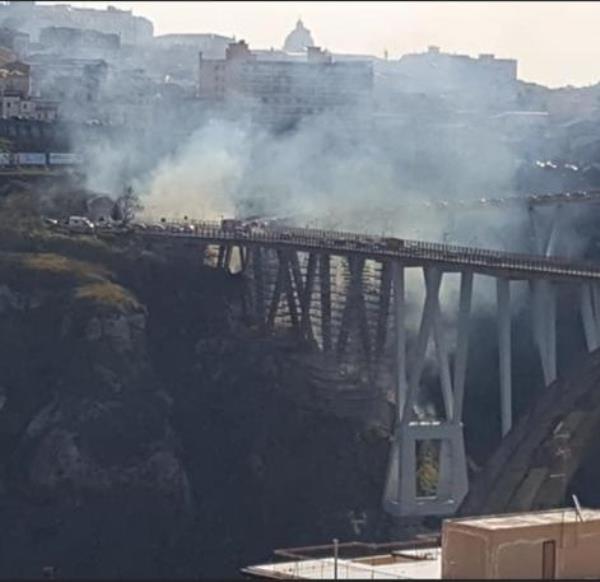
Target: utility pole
{"type": "Point", "coordinates": [335, 558]}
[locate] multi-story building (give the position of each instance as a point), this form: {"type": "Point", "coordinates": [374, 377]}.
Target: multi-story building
{"type": "Point", "coordinates": [16, 106]}
{"type": "Point", "coordinates": [73, 82]}
{"type": "Point", "coordinates": [31, 18]}
{"type": "Point", "coordinates": [485, 82]}
{"type": "Point", "coordinates": [14, 40]}
{"type": "Point", "coordinates": [80, 41]}
{"type": "Point", "coordinates": [15, 99]}
{"type": "Point", "coordinates": [67, 78]}
{"type": "Point", "coordinates": [14, 78]}
{"type": "Point", "coordinates": [174, 57]}
{"type": "Point", "coordinates": [281, 92]}
{"type": "Point", "coordinates": [212, 46]}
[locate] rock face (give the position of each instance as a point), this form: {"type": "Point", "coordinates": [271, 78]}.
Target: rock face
{"type": "Point", "coordinates": [82, 421]}
{"type": "Point", "coordinates": [555, 437]}
{"type": "Point", "coordinates": [145, 432]}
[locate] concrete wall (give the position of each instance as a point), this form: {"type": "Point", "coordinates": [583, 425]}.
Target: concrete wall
{"type": "Point", "coordinates": [471, 552]}
{"type": "Point", "coordinates": [463, 553]}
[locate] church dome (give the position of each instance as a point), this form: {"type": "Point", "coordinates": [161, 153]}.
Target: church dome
{"type": "Point", "coordinates": [299, 39]}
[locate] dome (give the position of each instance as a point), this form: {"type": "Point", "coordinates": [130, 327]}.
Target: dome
{"type": "Point", "coordinates": [299, 39]}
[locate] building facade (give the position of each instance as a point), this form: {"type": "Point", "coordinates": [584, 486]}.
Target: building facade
{"type": "Point", "coordinates": [281, 92]}
{"type": "Point", "coordinates": [15, 106]}
{"type": "Point", "coordinates": [538, 545]}
{"type": "Point", "coordinates": [31, 18]}
{"type": "Point", "coordinates": [60, 39]}
{"type": "Point", "coordinates": [485, 82]}
{"type": "Point", "coordinates": [15, 95]}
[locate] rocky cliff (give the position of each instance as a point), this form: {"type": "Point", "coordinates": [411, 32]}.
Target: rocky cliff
{"type": "Point", "coordinates": [146, 432]}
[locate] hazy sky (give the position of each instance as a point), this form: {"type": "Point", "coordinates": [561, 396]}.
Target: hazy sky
{"type": "Point", "coordinates": [556, 43]}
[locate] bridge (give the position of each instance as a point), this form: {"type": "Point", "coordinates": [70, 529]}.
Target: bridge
{"type": "Point", "coordinates": [545, 217]}
{"type": "Point", "coordinates": [346, 295]}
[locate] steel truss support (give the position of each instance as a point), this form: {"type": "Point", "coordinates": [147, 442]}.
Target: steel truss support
{"type": "Point", "coordinates": [221, 256]}
{"type": "Point", "coordinates": [306, 298]}
{"type": "Point", "coordinates": [284, 258]}
{"type": "Point", "coordinates": [325, 285]}
{"type": "Point", "coordinates": [227, 257]}
{"type": "Point", "coordinates": [283, 285]}
{"type": "Point", "coordinates": [259, 286]}
{"type": "Point", "coordinates": [355, 313]}
{"type": "Point", "coordinates": [401, 493]}
{"type": "Point", "coordinates": [385, 290]}
{"type": "Point", "coordinates": [243, 256]}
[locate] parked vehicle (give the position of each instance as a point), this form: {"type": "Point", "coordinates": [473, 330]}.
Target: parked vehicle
{"type": "Point", "coordinates": [80, 224]}
{"type": "Point", "coordinates": [231, 224]}
{"type": "Point", "coordinates": [50, 222]}
{"type": "Point", "coordinates": [394, 244]}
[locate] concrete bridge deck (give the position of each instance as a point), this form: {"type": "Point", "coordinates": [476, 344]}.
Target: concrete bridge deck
{"type": "Point", "coordinates": [411, 253]}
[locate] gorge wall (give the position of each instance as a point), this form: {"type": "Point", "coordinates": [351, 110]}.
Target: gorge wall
{"type": "Point", "coordinates": [147, 432]}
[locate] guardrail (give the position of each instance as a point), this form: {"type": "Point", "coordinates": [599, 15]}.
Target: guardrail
{"type": "Point", "coordinates": [514, 199]}
{"type": "Point", "coordinates": [344, 243]}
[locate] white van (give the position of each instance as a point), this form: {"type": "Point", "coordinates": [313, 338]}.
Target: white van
{"type": "Point", "coordinates": [79, 224]}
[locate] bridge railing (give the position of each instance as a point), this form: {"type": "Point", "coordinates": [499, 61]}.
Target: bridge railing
{"type": "Point", "coordinates": [498, 202]}
{"type": "Point", "coordinates": [342, 242]}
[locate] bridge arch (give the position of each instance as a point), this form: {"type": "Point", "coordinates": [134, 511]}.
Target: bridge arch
{"type": "Point", "coordinates": [535, 463]}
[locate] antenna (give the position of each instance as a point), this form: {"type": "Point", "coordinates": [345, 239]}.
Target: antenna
{"type": "Point", "coordinates": [577, 507]}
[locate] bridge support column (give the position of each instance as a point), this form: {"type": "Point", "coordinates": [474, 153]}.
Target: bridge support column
{"type": "Point", "coordinates": [400, 339]}
{"type": "Point", "coordinates": [403, 494]}
{"type": "Point", "coordinates": [389, 270]}
{"type": "Point", "coordinates": [325, 288]}
{"type": "Point", "coordinates": [462, 347]}
{"type": "Point", "coordinates": [543, 295]}
{"type": "Point", "coordinates": [306, 299]}
{"type": "Point", "coordinates": [589, 318]}
{"type": "Point", "coordinates": [221, 257]}
{"type": "Point", "coordinates": [259, 286]}
{"type": "Point", "coordinates": [504, 353]}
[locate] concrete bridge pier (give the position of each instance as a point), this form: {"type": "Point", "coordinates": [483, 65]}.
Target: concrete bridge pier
{"type": "Point", "coordinates": [434, 482]}
{"type": "Point", "coordinates": [590, 314]}
{"type": "Point", "coordinates": [543, 310]}
{"type": "Point", "coordinates": [504, 354]}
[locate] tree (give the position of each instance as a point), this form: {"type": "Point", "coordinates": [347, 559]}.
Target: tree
{"type": "Point", "coordinates": [127, 206]}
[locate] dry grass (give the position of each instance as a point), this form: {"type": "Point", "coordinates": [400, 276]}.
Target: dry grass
{"type": "Point", "coordinates": [89, 281]}
{"type": "Point", "coordinates": [58, 264]}
{"type": "Point", "coordinates": [107, 293]}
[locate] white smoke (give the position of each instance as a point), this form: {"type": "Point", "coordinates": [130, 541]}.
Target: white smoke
{"type": "Point", "coordinates": [330, 171]}
{"type": "Point", "coordinates": [200, 180]}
